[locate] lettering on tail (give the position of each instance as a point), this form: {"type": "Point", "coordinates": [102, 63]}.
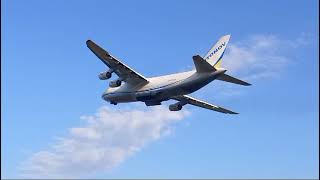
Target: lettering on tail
{"type": "Point", "coordinates": [216, 50]}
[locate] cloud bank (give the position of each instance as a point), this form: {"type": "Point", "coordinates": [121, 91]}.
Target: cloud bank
{"type": "Point", "coordinates": [108, 138]}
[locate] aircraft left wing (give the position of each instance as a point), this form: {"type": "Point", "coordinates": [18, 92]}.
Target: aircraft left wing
{"type": "Point", "coordinates": [123, 71]}
{"type": "Point", "coordinates": [184, 99]}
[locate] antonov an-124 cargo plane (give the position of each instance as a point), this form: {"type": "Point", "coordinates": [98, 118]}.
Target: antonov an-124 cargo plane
{"type": "Point", "coordinates": [131, 86]}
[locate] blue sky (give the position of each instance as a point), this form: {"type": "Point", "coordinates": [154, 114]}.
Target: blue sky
{"type": "Point", "coordinates": [49, 82]}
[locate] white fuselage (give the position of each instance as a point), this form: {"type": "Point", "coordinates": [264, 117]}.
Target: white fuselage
{"type": "Point", "coordinates": [161, 88]}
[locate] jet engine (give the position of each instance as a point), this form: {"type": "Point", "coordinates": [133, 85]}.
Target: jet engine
{"type": "Point", "coordinates": [115, 83]}
{"type": "Point", "coordinates": [105, 75]}
{"type": "Point", "coordinates": [175, 107]}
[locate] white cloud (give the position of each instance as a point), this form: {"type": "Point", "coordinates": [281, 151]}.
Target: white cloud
{"type": "Point", "coordinates": [108, 138]}
{"type": "Point", "coordinates": [261, 56]}
{"type": "Point", "coordinates": [257, 57]}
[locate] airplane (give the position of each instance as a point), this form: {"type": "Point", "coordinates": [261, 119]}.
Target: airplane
{"type": "Point", "coordinates": [130, 86]}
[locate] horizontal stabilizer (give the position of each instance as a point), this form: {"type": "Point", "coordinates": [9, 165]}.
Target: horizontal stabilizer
{"type": "Point", "coordinates": [230, 79]}
{"type": "Point", "coordinates": [202, 65]}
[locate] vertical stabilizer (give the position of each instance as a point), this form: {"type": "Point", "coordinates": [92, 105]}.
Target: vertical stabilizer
{"type": "Point", "coordinates": [215, 54]}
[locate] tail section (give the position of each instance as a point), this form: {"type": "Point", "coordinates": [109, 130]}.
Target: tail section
{"type": "Point", "coordinates": [212, 62]}
{"type": "Point", "coordinates": [202, 65]}
{"type": "Point", "coordinates": [215, 54]}
{"type": "Point", "coordinates": [230, 79]}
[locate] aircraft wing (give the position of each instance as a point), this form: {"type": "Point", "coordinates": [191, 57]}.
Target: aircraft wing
{"type": "Point", "coordinates": [123, 71]}
{"type": "Point", "coordinates": [193, 101]}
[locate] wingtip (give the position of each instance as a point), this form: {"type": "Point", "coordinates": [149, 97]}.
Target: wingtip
{"type": "Point", "coordinates": [88, 41]}
{"type": "Point", "coordinates": [230, 112]}
{"type": "Point", "coordinates": [244, 83]}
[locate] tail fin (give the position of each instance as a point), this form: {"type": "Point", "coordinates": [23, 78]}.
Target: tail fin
{"type": "Point", "coordinates": [215, 54]}
{"type": "Point", "coordinates": [212, 61]}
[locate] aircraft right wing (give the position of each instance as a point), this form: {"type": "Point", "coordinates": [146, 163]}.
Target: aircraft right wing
{"type": "Point", "coordinates": [122, 70]}
{"type": "Point", "coordinates": [184, 99]}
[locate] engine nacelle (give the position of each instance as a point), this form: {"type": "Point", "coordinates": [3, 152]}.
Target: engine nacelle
{"type": "Point", "coordinates": [175, 107]}
{"type": "Point", "coordinates": [105, 75]}
{"type": "Point", "coordinates": [115, 83]}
